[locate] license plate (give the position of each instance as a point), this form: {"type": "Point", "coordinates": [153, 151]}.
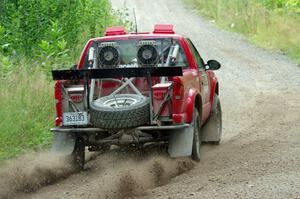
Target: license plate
{"type": "Point", "coordinates": [75, 118]}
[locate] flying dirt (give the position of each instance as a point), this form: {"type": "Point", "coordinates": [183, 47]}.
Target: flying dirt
{"type": "Point", "coordinates": [122, 174]}
{"type": "Point", "coordinates": [257, 158]}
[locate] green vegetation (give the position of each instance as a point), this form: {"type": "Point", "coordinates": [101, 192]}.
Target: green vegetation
{"type": "Point", "coordinates": [36, 37]}
{"type": "Point", "coordinates": [26, 111]}
{"type": "Point", "coordinates": [271, 24]}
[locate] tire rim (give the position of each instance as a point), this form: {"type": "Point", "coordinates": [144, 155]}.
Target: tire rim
{"type": "Point", "coordinates": [116, 102]}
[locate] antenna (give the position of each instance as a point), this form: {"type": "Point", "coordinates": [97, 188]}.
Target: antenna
{"type": "Point", "coordinates": [136, 29]}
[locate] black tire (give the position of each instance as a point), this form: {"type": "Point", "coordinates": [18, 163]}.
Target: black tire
{"type": "Point", "coordinates": [78, 154]}
{"type": "Point", "coordinates": [107, 117]}
{"type": "Point", "coordinates": [216, 118]}
{"type": "Point", "coordinates": [197, 136]}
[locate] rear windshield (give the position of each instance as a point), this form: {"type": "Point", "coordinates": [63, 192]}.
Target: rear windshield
{"type": "Point", "coordinates": [128, 51]}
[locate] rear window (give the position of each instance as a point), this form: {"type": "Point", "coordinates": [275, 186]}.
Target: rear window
{"type": "Point", "coordinates": [128, 51]}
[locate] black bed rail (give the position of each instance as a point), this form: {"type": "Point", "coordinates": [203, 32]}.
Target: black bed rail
{"type": "Point", "coordinates": [116, 72]}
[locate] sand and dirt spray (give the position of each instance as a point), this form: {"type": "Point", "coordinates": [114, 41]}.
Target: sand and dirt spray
{"type": "Point", "coordinates": [128, 175]}
{"type": "Point", "coordinates": [31, 172]}
{"type": "Point", "coordinates": [151, 173]}
{"type": "Point", "coordinates": [109, 175]}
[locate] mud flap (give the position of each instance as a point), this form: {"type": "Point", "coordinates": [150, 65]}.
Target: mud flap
{"type": "Point", "coordinates": [181, 142]}
{"type": "Point", "coordinates": [63, 143]}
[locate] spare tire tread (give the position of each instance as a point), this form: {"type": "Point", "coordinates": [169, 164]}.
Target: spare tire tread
{"type": "Point", "coordinates": [119, 119]}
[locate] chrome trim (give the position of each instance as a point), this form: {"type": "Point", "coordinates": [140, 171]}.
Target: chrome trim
{"type": "Point", "coordinates": [169, 127]}
{"type": "Point", "coordinates": [88, 129]}
{"type": "Point", "coordinates": [76, 130]}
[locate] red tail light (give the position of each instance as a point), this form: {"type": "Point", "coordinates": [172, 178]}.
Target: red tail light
{"type": "Point", "coordinates": [58, 106]}
{"type": "Point", "coordinates": [178, 89]}
{"type": "Point", "coordinates": [178, 100]}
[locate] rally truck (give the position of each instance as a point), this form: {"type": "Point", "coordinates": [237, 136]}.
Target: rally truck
{"type": "Point", "coordinates": [137, 89]}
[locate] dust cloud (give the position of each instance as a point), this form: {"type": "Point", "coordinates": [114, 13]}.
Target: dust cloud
{"type": "Point", "coordinates": [32, 171]}
{"type": "Point", "coordinates": [130, 176]}
{"type": "Point", "coordinates": [109, 175]}
{"type": "Point", "coordinates": [154, 172]}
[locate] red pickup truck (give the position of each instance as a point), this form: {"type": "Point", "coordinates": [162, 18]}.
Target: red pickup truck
{"type": "Point", "coordinates": [136, 89]}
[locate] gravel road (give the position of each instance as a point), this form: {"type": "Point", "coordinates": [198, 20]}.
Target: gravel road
{"type": "Point", "coordinates": [259, 154]}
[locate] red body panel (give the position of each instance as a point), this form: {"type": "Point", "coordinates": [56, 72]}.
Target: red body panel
{"type": "Point", "coordinates": [213, 82]}
{"type": "Point", "coordinates": [58, 106]}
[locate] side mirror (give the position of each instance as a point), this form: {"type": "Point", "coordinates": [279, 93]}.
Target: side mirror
{"type": "Point", "coordinates": [212, 65]}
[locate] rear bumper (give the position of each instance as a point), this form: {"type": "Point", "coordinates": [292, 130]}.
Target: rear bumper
{"type": "Point", "coordinates": [98, 130]}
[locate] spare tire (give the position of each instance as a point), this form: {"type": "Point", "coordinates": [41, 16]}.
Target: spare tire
{"type": "Point", "coordinates": [120, 111]}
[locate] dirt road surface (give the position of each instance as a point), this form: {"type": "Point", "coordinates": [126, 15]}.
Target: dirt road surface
{"type": "Point", "coordinates": [259, 156]}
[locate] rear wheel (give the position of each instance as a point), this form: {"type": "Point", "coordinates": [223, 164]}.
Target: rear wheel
{"type": "Point", "coordinates": [216, 118]}
{"type": "Point", "coordinates": [78, 154]}
{"type": "Point", "coordinates": [197, 136]}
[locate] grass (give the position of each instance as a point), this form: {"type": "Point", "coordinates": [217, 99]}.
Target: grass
{"type": "Point", "coordinates": [276, 29]}
{"type": "Point", "coordinates": [26, 111]}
